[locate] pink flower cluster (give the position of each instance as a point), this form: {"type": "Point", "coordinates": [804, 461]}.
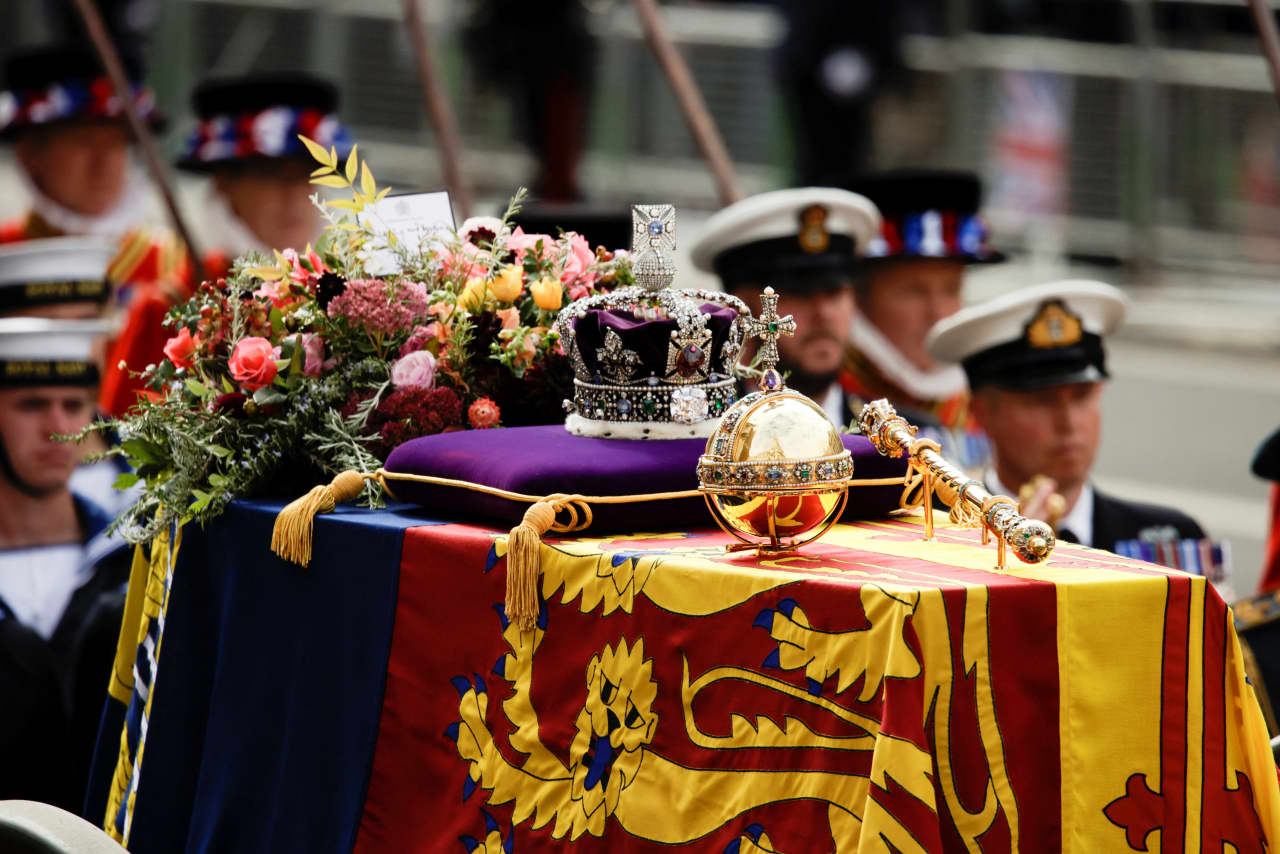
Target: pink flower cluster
{"type": "Point", "coordinates": [381, 307]}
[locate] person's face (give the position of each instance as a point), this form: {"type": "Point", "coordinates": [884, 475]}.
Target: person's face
{"type": "Point", "coordinates": [823, 318]}
{"type": "Point", "coordinates": [29, 418]}
{"type": "Point", "coordinates": [1052, 431]}
{"type": "Point", "coordinates": [904, 298]}
{"type": "Point", "coordinates": [274, 200]}
{"type": "Point", "coordinates": [82, 166]}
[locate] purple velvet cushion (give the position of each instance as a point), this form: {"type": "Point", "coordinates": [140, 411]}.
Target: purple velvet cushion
{"type": "Point", "coordinates": [548, 459]}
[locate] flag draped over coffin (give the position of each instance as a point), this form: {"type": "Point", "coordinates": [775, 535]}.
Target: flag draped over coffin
{"type": "Point", "coordinates": [873, 693]}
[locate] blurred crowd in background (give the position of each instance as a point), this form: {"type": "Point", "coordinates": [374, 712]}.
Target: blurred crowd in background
{"type": "Point", "coordinates": [1132, 141]}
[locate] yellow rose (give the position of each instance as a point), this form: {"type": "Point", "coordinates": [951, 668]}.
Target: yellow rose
{"type": "Point", "coordinates": [548, 294]}
{"type": "Point", "coordinates": [507, 285]}
{"type": "Point", "coordinates": [472, 296]}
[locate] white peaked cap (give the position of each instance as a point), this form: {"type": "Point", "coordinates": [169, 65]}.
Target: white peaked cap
{"type": "Point", "coordinates": [1099, 306]}
{"type": "Point", "coordinates": [777, 214]}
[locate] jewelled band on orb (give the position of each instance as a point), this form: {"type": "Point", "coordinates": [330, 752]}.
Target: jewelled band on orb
{"type": "Point", "coordinates": [719, 475]}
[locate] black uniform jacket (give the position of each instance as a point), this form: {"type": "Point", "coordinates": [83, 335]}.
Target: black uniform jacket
{"type": "Point", "coordinates": [1115, 519]}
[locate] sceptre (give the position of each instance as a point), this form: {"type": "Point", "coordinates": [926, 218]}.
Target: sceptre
{"type": "Point", "coordinates": [1032, 541]}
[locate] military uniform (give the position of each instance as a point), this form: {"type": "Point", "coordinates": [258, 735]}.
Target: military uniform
{"type": "Point", "coordinates": [63, 86]}
{"type": "Point", "coordinates": [931, 216]}
{"type": "Point", "coordinates": [1043, 337]}
{"type": "Point", "coordinates": [47, 593]}
{"type": "Point", "coordinates": [1266, 465]}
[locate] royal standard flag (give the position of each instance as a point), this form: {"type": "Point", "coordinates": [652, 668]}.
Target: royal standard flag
{"type": "Point", "coordinates": [873, 693]}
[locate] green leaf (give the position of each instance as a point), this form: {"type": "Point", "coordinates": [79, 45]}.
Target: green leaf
{"type": "Point", "coordinates": [143, 451]}
{"type": "Point", "coordinates": [276, 318]}
{"type": "Point", "coordinates": [218, 481]}
{"type": "Point", "coordinates": [202, 501]}
{"type": "Point", "coordinates": [219, 451]}
{"type": "Point", "coordinates": [268, 396]}
{"type": "Point", "coordinates": [126, 480]}
{"type": "Point", "coordinates": [227, 386]}
{"type": "Point", "coordinates": [197, 388]}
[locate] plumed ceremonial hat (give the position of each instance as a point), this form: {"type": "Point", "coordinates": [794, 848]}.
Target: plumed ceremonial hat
{"type": "Point", "coordinates": [928, 213]}
{"type": "Point", "coordinates": [57, 270]}
{"type": "Point", "coordinates": [259, 117]}
{"type": "Point", "coordinates": [36, 351]}
{"type": "Point", "coordinates": [1034, 337]}
{"type": "Point", "coordinates": [65, 83]}
{"type": "Point", "coordinates": [789, 239]}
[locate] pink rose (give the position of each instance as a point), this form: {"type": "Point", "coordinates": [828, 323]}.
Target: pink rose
{"type": "Point", "coordinates": [416, 370]}
{"type": "Point", "coordinates": [519, 242]}
{"type": "Point", "coordinates": [278, 291]}
{"type": "Point", "coordinates": [313, 352]}
{"type": "Point", "coordinates": [419, 338]}
{"type": "Point", "coordinates": [252, 363]}
{"type": "Point", "coordinates": [181, 348]}
{"type": "Point", "coordinates": [579, 259]}
{"type": "Point", "coordinates": [467, 262]}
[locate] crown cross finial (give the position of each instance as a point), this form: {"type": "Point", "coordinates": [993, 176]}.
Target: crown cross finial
{"type": "Point", "coordinates": [769, 327]}
{"type": "Point", "coordinates": [653, 227]}
{"type": "Point", "coordinates": [653, 244]}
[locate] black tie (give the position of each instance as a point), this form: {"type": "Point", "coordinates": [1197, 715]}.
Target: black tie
{"type": "Point", "coordinates": [1067, 536]}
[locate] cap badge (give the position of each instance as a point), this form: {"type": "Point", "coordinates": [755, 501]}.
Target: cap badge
{"type": "Point", "coordinates": [1054, 326]}
{"type": "Point", "coordinates": [813, 237]}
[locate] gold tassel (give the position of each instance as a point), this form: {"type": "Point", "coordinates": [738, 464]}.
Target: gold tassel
{"type": "Point", "coordinates": [524, 563]}
{"type": "Point", "coordinates": [291, 536]}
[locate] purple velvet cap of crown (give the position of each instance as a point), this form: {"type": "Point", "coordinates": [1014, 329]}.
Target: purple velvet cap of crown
{"type": "Point", "coordinates": [648, 338]}
{"type": "Point", "coordinates": [548, 459]}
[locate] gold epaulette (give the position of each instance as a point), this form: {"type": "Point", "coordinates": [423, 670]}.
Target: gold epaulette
{"type": "Point", "coordinates": [149, 255]}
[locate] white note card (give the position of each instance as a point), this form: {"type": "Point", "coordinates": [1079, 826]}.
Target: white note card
{"type": "Point", "coordinates": [413, 218]}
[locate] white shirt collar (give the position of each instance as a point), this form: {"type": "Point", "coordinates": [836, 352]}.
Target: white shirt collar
{"type": "Point", "coordinates": [833, 405]}
{"type": "Point", "coordinates": [224, 230]}
{"type": "Point", "coordinates": [38, 583]}
{"type": "Point", "coordinates": [942, 382]}
{"type": "Point", "coordinates": [130, 211]}
{"type": "Point", "coordinates": [1079, 519]}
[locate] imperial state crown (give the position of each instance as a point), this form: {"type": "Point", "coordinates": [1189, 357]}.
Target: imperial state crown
{"type": "Point", "coordinates": [650, 361]}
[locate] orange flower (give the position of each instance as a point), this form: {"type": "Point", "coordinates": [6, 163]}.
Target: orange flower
{"type": "Point", "coordinates": [510, 317]}
{"type": "Point", "coordinates": [547, 293]}
{"type": "Point", "coordinates": [507, 285]}
{"type": "Point", "coordinates": [483, 413]}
